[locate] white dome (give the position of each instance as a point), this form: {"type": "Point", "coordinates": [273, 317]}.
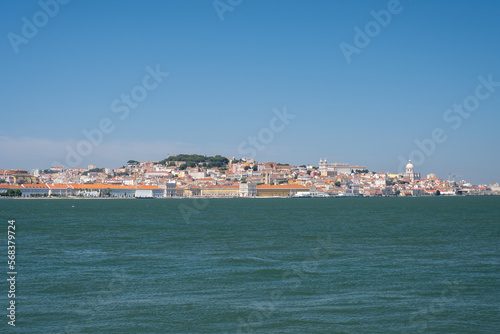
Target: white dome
{"type": "Point", "coordinates": [409, 165]}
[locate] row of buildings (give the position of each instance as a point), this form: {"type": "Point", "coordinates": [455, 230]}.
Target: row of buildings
{"type": "Point", "coordinates": [168, 190]}
{"type": "Point", "coordinates": [240, 178]}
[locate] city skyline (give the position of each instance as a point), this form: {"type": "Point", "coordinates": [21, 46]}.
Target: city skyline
{"type": "Point", "coordinates": [371, 83]}
{"type": "Point", "coordinates": [196, 175]}
{"type": "Point", "coordinates": [323, 164]}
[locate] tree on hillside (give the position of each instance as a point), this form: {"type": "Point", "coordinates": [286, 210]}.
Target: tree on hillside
{"type": "Point", "coordinates": [95, 170]}
{"type": "Point", "coordinates": [193, 160]}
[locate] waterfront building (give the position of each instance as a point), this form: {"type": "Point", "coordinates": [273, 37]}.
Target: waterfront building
{"type": "Point", "coordinates": [248, 190]}
{"type": "Point", "coordinates": [170, 189]}
{"type": "Point", "coordinates": [146, 191]}
{"type": "Point", "coordinates": [59, 190]}
{"type": "Point", "coordinates": [38, 189]}
{"type": "Point", "coordinates": [220, 191]}
{"type": "Point", "coordinates": [283, 190]}
{"type": "Point", "coordinates": [494, 186]}
{"type": "Point", "coordinates": [192, 190]}
{"type": "Point", "coordinates": [179, 191]}
{"type": "Point", "coordinates": [97, 190]}
{"type": "Point", "coordinates": [5, 187]}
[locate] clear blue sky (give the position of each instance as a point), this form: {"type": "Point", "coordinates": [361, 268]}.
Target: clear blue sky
{"type": "Point", "coordinates": [226, 77]}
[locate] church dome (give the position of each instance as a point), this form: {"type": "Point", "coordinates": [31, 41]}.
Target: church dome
{"type": "Point", "coordinates": [409, 166]}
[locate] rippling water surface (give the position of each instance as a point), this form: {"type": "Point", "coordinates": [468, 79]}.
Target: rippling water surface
{"type": "Point", "coordinates": [361, 265]}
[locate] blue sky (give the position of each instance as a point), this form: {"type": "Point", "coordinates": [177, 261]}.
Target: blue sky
{"type": "Point", "coordinates": [228, 78]}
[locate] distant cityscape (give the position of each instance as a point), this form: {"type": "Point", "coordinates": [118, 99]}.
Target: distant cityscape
{"type": "Point", "coordinates": [192, 175]}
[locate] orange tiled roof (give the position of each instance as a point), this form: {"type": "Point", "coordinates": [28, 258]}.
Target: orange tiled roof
{"type": "Point", "coordinates": [221, 187]}
{"type": "Point", "coordinates": [57, 186]}
{"type": "Point", "coordinates": [281, 186]}
{"type": "Point", "coordinates": [99, 186]}
{"type": "Point", "coordinates": [6, 186]}
{"type": "Point", "coordinates": [145, 186]}
{"type": "Point", "coordinates": [35, 186]}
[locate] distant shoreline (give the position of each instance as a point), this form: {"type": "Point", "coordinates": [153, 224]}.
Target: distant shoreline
{"type": "Point", "coordinates": [254, 197]}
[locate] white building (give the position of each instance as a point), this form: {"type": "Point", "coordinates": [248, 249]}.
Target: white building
{"type": "Point", "coordinates": [410, 172]}
{"type": "Point", "coordinates": [148, 192]}
{"type": "Point", "coordinates": [337, 167]}
{"type": "Point", "coordinates": [122, 192]}
{"type": "Point", "coordinates": [143, 193]}
{"type": "Point", "coordinates": [494, 186]}
{"type": "Point", "coordinates": [170, 189]}
{"type": "Point", "coordinates": [154, 174]}
{"type": "Point", "coordinates": [195, 173]}
{"type": "Point", "coordinates": [248, 189]}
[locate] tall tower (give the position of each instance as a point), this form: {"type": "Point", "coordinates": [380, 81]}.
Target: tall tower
{"type": "Point", "coordinates": [267, 178]}
{"type": "Point", "coordinates": [323, 164]}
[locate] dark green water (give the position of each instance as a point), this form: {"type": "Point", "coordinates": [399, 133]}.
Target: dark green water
{"type": "Point", "coordinates": [374, 265]}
